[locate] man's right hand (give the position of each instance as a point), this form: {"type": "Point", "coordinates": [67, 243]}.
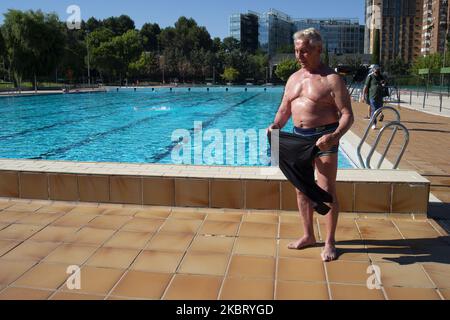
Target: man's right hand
{"type": "Point", "coordinates": [272, 127]}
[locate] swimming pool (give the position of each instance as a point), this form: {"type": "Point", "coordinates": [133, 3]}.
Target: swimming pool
{"type": "Point", "coordinates": [134, 126]}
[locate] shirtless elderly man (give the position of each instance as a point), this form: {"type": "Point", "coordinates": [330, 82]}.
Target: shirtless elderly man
{"type": "Point", "coordinates": [318, 101]}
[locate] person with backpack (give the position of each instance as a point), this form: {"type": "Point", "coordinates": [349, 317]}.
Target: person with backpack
{"type": "Point", "coordinates": [375, 90]}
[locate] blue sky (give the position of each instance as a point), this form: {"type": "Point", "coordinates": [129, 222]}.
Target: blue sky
{"type": "Point", "coordinates": [213, 14]}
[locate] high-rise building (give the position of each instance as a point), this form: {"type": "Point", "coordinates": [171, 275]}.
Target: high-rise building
{"type": "Point", "coordinates": [275, 31]}
{"type": "Point", "coordinates": [435, 28]}
{"type": "Point", "coordinates": [400, 23]}
{"type": "Point", "coordinates": [244, 27]}
{"type": "Point", "coordinates": [342, 36]}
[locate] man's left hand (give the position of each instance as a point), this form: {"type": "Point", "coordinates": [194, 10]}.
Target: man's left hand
{"type": "Point", "coordinates": [327, 141]}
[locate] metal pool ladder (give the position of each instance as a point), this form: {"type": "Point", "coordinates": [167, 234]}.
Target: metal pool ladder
{"type": "Point", "coordinates": [395, 125]}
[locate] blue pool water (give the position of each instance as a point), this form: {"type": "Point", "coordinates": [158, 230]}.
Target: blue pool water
{"type": "Point", "coordinates": [135, 126]}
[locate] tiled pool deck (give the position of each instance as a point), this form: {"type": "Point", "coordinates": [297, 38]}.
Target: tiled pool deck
{"type": "Point", "coordinates": [161, 232]}
{"type": "Point", "coordinates": [144, 252]}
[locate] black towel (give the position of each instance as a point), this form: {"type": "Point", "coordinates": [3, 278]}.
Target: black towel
{"type": "Point", "coordinates": [296, 162]}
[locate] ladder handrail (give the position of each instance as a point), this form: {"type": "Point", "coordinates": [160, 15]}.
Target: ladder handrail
{"type": "Point", "coordinates": [397, 125]}
{"type": "Point", "coordinates": [366, 133]}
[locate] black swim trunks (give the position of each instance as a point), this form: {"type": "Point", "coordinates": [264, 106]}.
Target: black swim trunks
{"type": "Point", "coordinates": [315, 133]}
{"type": "Point", "coordinates": [296, 155]}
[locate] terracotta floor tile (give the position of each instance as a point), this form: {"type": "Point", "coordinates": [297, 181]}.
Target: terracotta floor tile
{"type": "Point", "coordinates": [347, 272]}
{"type": "Point", "coordinates": [90, 236]}
{"type": "Point", "coordinates": [56, 208]}
{"type": "Point", "coordinates": [291, 230]}
{"type": "Point", "coordinates": [391, 253]}
{"type": "Point", "coordinates": [12, 216]}
{"type": "Point", "coordinates": [217, 244]}
{"type": "Point", "coordinates": [153, 213]}
{"type": "Point", "coordinates": [44, 276]}
{"type": "Point", "coordinates": [30, 250]}
{"type": "Point", "coordinates": [204, 263]}
{"type": "Point", "coordinates": [301, 270]}
{"type": "Point", "coordinates": [62, 295]}
{"type": "Point", "coordinates": [225, 228]}
{"type": "Point", "coordinates": [13, 293]}
{"type": "Point", "coordinates": [255, 246]}
{"type": "Point", "coordinates": [309, 253]}
{"type": "Point", "coordinates": [158, 261]}
{"type": "Point", "coordinates": [128, 239]}
{"type": "Point", "coordinates": [108, 222]}
{"type": "Point", "coordinates": [290, 217]}
{"type": "Point", "coordinates": [96, 280]}
{"type": "Point", "coordinates": [193, 287]}
{"type": "Point", "coordinates": [140, 284]}
{"type": "Point", "coordinates": [71, 254]}
{"type": "Point", "coordinates": [229, 217]}
{"type": "Point", "coordinates": [252, 267]}
{"type": "Point", "coordinates": [394, 275]}
{"type": "Point", "coordinates": [181, 225]}
{"type": "Point", "coordinates": [54, 234]}
{"type": "Point", "coordinates": [416, 229]}
{"type": "Point", "coordinates": [261, 218]}
{"type": "Point", "coordinates": [120, 212]}
{"type": "Point", "coordinates": [186, 215]}
{"type": "Point", "coordinates": [6, 245]}
{"type": "Point", "coordinates": [25, 207]}
{"type": "Point", "coordinates": [354, 292]}
{"type": "Point", "coordinates": [352, 252]}
{"type": "Point", "coordinates": [143, 225]}
{"type": "Point", "coordinates": [170, 242]}
{"type": "Point", "coordinates": [11, 270]}
{"type": "Point", "coordinates": [398, 293]}
{"type": "Point", "coordinates": [247, 289]}
{"type": "Point", "coordinates": [91, 210]}
{"type": "Point", "coordinates": [445, 293]}
{"type": "Point", "coordinates": [439, 273]}
{"type": "Point", "coordinates": [113, 258]}
{"type": "Point", "coordinates": [39, 219]}
{"type": "Point", "coordinates": [19, 231]}
{"type": "Point", "coordinates": [298, 290]}
{"type": "Point", "coordinates": [256, 229]}
{"type": "Point", "coordinates": [73, 219]}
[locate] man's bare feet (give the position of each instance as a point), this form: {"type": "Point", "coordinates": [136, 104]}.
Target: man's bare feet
{"type": "Point", "coordinates": [302, 243]}
{"type": "Point", "coordinates": [329, 253]}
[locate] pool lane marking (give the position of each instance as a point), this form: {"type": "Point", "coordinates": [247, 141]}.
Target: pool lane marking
{"type": "Point", "coordinates": [152, 99]}
{"type": "Point", "coordinates": [89, 139]}
{"type": "Point", "coordinates": [205, 124]}
{"type": "Point", "coordinates": [67, 122]}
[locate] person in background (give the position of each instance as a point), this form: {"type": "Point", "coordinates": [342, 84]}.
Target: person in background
{"type": "Point", "coordinates": [373, 92]}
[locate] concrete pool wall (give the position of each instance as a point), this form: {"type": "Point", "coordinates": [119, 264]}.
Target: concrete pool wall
{"type": "Point", "coordinates": [359, 191]}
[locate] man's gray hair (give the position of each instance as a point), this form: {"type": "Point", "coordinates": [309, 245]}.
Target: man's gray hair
{"type": "Point", "coordinates": [311, 34]}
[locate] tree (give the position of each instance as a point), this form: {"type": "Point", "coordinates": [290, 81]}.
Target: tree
{"type": "Point", "coordinates": [397, 66]}
{"type": "Point", "coordinates": [230, 44]}
{"type": "Point", "coordinates": [2, 45]}
{"type": "Point", "coordinates": [34, 42]}
{"type": "Point", "coordinates": [286, 68]}
{"type": "Point", "coordinates": [431, 61]}
{"type": "Point", "coordinates": [113, 57]}
{"type": "Point", "coordinates": [258, 64]}
{"type": "Point", "coordinates": [146, 66]}
{"type": "Point", "coordinates": [149, 33]}
{"type": "Point", "coordinates": [230, 74]}
{"type": "Point", "coordinates": [92, 24]}
{"type": "Point", "coordinates": [119, 25]}
{"type": "Point", "coordinates": [376, 47]}
{"type": "Point", "coordinates": [287, 48]}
